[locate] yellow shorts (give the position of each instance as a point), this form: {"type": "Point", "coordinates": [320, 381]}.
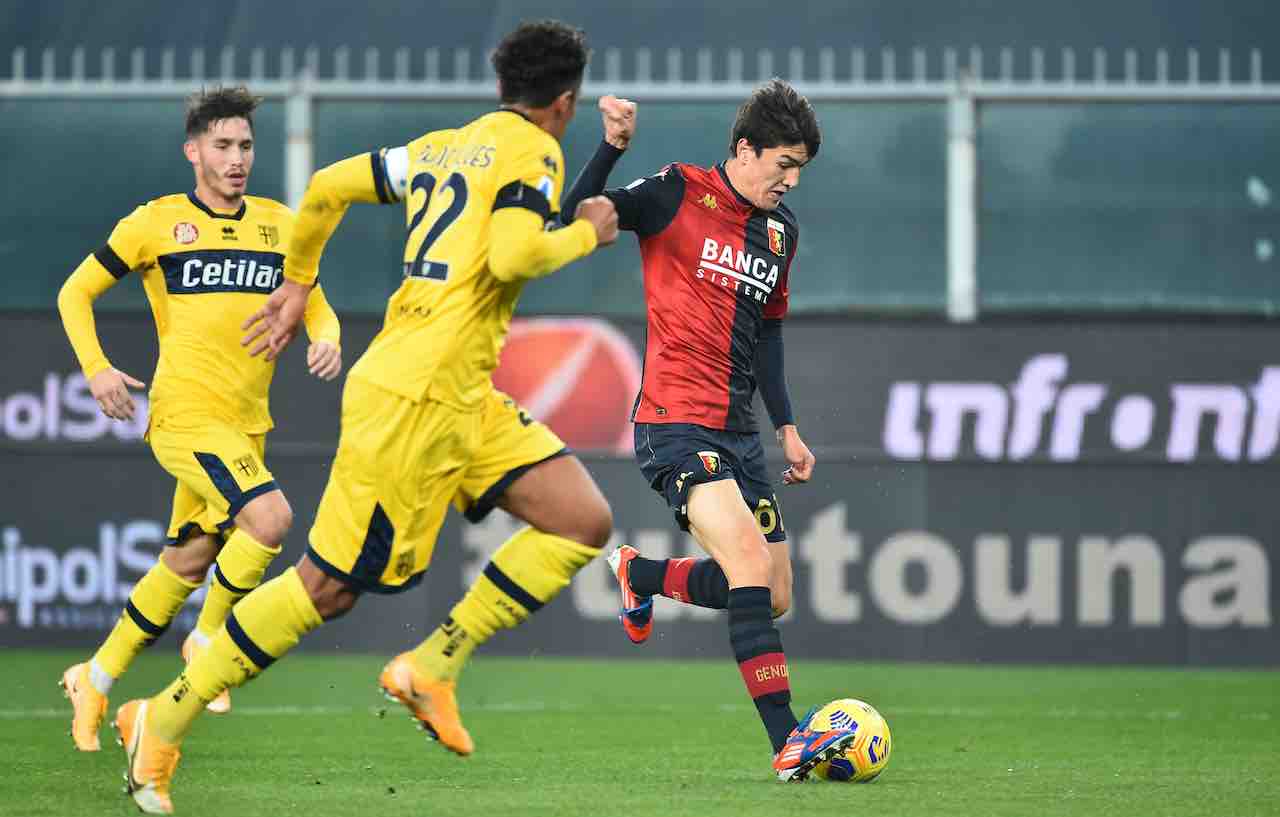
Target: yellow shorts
{"type": "Point", "coordinates": [399, 466]}
{"type": "Point", "coordinates": [219, 469]}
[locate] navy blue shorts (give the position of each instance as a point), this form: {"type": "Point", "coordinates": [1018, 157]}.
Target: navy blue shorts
{"type": "Point", "coordinates": [674, 457]}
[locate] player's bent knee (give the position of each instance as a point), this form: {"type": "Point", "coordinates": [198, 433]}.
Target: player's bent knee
{"type": "Point", "coordinates": [596, 525]}
{"type": "Point", "coordinates": [192, 559]}
{"type": "Point", "coordinates": [267, 518]}
{"type": "Point", "coordinates": [332, 598]}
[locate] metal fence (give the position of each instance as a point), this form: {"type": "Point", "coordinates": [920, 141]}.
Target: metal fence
{"type": "Point", "coordinates": [965, 81]}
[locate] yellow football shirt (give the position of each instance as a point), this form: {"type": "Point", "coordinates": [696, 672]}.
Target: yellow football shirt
{"type": "Point", "coordinates": [204, 273]}
{"type": "Point", "coordinates": [445, 325]}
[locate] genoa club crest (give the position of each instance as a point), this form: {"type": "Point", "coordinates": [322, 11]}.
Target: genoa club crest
{"type": "Point", "coordinates": [777, 237]}
{"type": "Point", "coordinates": [184, 232]}
{"type": "Point", "coordinates": [710, 461]}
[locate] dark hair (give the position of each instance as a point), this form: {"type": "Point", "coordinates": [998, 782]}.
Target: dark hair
{"type": "Point", "coordinates": [775, 114]}
{"type": "Point", "coordinates": [539, 61]}
{"type": "Point", "coordinates": [213, 105]}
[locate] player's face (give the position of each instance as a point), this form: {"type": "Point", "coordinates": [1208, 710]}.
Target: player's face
{"type": "Point", "coordinates": [223, 157]}
{"type": "Point", "coordinates": [766, 178]}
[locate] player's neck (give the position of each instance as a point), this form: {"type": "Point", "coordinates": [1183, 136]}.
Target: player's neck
{"type": "Point", "coordinates": [733, 173]}
{"type": "Point", "coordinates": [213, 201]}
{"type": "Point", "coordinates": [542, 117]}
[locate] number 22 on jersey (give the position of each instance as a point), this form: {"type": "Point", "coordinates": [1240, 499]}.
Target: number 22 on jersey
{"type": "Point", "coordinates": [423, 235]}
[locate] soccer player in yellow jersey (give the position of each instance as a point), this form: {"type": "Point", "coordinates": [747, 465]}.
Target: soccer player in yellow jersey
{"type": "Point", "coordinates": [207, 260]}
{"type": "Point", "coordinates": [422, 426]}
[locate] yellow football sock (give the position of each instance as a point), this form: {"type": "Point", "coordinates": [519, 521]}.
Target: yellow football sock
{"type": "Point", "coordinates": [265, 625]}
{"type": "Point", "coordinates": [155, 600]}
{"type": "Point", "coordinates": [239, 569]}
{"type": "Point", "coordinates": [528, 571]}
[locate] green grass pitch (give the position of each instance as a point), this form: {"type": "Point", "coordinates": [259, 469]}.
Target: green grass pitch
{"type": "Point", "coordinates": [631, 738]}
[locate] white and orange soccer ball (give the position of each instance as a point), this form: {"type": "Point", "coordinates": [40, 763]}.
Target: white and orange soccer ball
{"type": "Point", "coordinates": [867, 756]}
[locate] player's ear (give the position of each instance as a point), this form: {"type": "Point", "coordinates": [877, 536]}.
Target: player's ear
{"type": "Point", "coordinates": [190, 150]}
{"type": "Point", "coordinates": [565, 103]}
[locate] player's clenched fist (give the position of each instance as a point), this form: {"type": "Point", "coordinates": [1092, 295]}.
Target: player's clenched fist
{"type": "Point", "coordinates": [619, 116]}
{"type": "Point", "coordinates": [600, 211]}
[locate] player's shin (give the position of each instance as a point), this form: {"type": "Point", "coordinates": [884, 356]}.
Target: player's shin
{"type": "Point", "coordinates": [239, 569]}
{"type": "Point", "coordinates": [528, 571]}
{"type": "Point", "coordinates": [152, 605]}
{"type": "Point", "coordinates": [757, 647]}
{"type": "Point", "coordinates": [690, 580]}
{"type": "Point", "coordinates": [266, 624]}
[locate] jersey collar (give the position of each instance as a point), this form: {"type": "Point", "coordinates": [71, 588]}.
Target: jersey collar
{"type": "Point", "coordinates": [211, 213]}
{"type": "Point", "coordinates": [724, 179]}
{"type": "Point", "coordinates": [514, 111]}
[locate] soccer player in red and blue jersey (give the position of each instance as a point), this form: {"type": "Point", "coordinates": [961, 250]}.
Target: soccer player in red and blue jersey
{"type": "Point", "coordinates": [718, 245]}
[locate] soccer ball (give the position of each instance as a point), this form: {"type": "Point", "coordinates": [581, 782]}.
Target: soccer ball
{"type": "Point", "coordinates": [864, 759]}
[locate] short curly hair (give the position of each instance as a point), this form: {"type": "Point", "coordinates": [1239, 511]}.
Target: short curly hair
{"type": "Point", "coordinates": [207, 106]}
{"type": "Point", "coordinates": [539, 61]}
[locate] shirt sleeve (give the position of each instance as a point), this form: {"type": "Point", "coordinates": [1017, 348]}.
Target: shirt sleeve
{"type": "Point", "coordinates": [124, 251]}
{"type": "Point", "coordinates": [526, 240]}
{"type": "Point", "coordinates": [591, 179]}
{"type": "Point", "coordinates": [320, 319]}
{"type": "Point", "coordinates": [770, 375]}
{"type": "Point", "coordinates": [534, 182]}
{"type": "Point", "coordinates": [648, 205]}
{"type": "Point", "coordinates": [127, 248]}
{"type": "Point", "coordinates": [331, 191]}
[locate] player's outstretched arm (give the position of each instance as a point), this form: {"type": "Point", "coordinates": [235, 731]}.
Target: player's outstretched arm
{"type": "Point", "coordinates": [324, 355]}
{"type": "Point", "coordinates": [331, 191]}
{"type": "Point", "coordinates": [618, 117]}
{"type": "Point", "coordinates": [109, 386]}
{"type": "Point", "coordinates": [529, 250]}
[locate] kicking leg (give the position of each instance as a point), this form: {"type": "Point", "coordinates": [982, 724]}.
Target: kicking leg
{"type": "Point", "coordinates": [569, 521]}
{"type": "Point", "coordinates": [265, 625]}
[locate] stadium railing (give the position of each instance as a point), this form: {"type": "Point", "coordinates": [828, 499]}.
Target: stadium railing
{"type": "Point", "coordinates": [964, 81]}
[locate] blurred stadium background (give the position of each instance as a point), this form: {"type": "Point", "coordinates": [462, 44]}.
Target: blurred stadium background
{"type": "Point", "coordinates": [1032, 335]}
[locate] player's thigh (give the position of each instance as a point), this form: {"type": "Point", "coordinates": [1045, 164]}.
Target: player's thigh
{"type": "Point", "coordinates": [398, 466]}
{"type": "Point", "coordinates": [752, 475]}
{"type": "Point", "coordinates": [524, 468]}
{"type": "Point", "coordinates": [558, 496]}
{"type": "Point", "coordinates": [723, 525]}
{"type": "Point", "coordinates": [220, 467]}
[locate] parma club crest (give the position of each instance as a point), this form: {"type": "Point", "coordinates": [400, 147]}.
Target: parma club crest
{"type": "Point", "coordinates": [184, 232]}
{"type": "Point", "coordinates": [777, 237]}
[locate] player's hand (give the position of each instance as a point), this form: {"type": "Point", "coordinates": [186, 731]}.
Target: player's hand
{"type": "Point", "coordinates": [800, 459]}
{"type": "Point", "coordinates": [110, 387]}
{"type": "Point", "coordinates": [619, 117]}
{"type": "Point", "coordinates": [324, 359]}
{"type": "Point", "coordinates": [272, 327]}
{"type": "Point", "coordinates": [599, 210]}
